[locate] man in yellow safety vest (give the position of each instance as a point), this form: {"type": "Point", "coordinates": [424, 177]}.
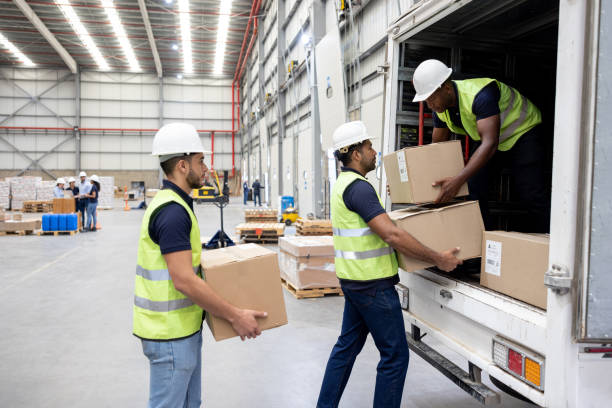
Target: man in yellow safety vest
{"type": "Point", "coordinates": [504, 128]}
{"type": "Point", "coordinates": [366, 264]}
{"type": "Point", "coordinates": [169, 293]}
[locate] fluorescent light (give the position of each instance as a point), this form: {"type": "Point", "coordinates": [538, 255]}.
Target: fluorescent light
{"type": "Point", "coordinates": [111, 12]}
{"type": "Point", "coordinates": [82, 32]}
{"type": "Point", "coordinates": [179, 76]}
{"type": "Point", "coordinates": [18, 54]}
{"type": "Point", "coordinates": [168, 1]}
{"type": "Point", "coordinates": [224, 16]}
{"type": "Point", "coordinates": [174, 47]}
{"type": "Point", "coordinates": [186, 35]}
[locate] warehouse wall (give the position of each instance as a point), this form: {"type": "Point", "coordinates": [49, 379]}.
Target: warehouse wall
{"type": "Point", "coordinates": [287, 112]}
{"type": "Point", "coordinates": [118, 101]}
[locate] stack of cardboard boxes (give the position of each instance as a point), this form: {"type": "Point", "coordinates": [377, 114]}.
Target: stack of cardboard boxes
{"type": "Point", "coordinates": [307, 262]}
{"type": "Point", "coordinates": [512, 263]}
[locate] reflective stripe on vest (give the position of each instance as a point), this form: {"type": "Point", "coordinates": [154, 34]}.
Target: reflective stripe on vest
{"type": "Point", "coordinates": [517, 114]}
{"type": "Point", "coordinates": [158, 274]}
{"type": "Point", "coordinates": [161, 312]}
{"type": "Point", "coordinates": [360, 254]}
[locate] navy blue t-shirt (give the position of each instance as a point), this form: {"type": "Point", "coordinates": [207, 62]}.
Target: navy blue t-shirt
{"type": "Point", "coordinates": [486, 104]}
{"type": "Point", "coordinates": [361, 198]}
{"type": "Point", "coordinates": [94, 191]}
{"type": "Point", "coordinates": [170, 225]}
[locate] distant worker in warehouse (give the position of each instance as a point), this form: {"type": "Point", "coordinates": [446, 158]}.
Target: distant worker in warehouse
{"type": "Point", "coordinates": [245, 191]}
{"type": "Point", "coordinates": [92, 204]}
{"type": "Point", "coordinates": [58, 190]}
{"type": "Point", "coordinates": [505, 126]}
{"type": "Point", "coordinates": [256, 192]}
{"type": "Point", "coordinates": [74, 190]}
{"type": "Point", "coordinates": [366, 264]}
{"type": "Point", "coordinates": [84, 189]}
{"type": "Point", "coordinates": [170, 294]}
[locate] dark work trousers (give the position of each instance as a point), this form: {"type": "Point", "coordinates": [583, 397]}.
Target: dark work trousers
{"type": "Point", "coordinates": [530, 186]}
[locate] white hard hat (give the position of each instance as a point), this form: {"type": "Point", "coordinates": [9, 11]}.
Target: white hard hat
{"type": "Point", "coordinates": [429, 76]}
{"type": "Point", "coordinates": [71, 180]}
{"type": "Point", "coordinates": [60, 181]}
{"type": "Point", "coordinates": [176, 139]}
{"type": "Point", "coordinates": [82, 174]}
{"type": "Point", "coordinates": [95, 178]}
{"type": "Point", "coordinates": [349, 133]}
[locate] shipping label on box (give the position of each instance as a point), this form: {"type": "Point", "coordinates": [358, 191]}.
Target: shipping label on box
{"type": "Point", "coordinates": [412, 171]}
{"type": "Point", "coordinates": [514, 264]}
{"type": "Point", "coordinates": [441, 228]}
{"type": "Point", "coordinates": [247, 276]}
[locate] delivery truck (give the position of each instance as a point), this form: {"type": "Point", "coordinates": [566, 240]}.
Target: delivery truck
{"type": "Point", "coordinates": [558, 54]}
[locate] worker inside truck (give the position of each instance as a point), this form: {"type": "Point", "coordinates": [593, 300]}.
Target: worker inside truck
{"type": "Point", "coordinates": [505, 129]}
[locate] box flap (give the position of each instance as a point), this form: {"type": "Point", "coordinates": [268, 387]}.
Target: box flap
{"type": "Point", "coordinates": [307, 245]}
{"type": "Point", "coordinates": [422, 209]}
{"type": "Point", "coordinates": [237, 253]}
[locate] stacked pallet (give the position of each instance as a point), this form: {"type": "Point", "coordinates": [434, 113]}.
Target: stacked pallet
{"type": "Point", "coordinates": [19, 227]}
{"type": "Point", "coordinates": [313, 227]}
{"type": "Point", "coordinates": [5, 190]}
{"type": "Point", "coordinates": [307, 267]}
{"type": "Point", "coordinates": [107, 193]}
{"type": "Point", "coordinates": [260, 232]}
{"type": "Point", "coordinates": [37, 206]}
{"type": "Point", "coordinates": [44, 190]}
{"type": "Point", "coordinates": [22, 189]}
{"type": "Point", "coordinates": [261, 215]}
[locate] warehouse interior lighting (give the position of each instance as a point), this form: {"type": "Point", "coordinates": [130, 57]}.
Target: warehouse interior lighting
{"type": "Point", "coordinates": [223, 27]}
{"type": "Point", "coordinates": [82, 32]}
{"type": "Point", "coordinates": [186, 35]}
{"type": "Point", "coordinates": [111, 12]}
{"type": "Point", "coordinates": [175, 47]}
{"type": "Point", "coordinates": [18, 54]}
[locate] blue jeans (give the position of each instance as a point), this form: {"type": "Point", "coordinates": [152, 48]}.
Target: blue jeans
{"type": "Point", "coordinates": [256, 196]}
{"type": "Point", "coordinates": [378, 313]}
{"type": "Point", "coordinates": [91, 213]}
{"type": "Point", "coordinates": [82, 207]}
{"type": "Point", "coordinates": [246, 196]}
{"type": "Point", "coordinates": [175, 372]}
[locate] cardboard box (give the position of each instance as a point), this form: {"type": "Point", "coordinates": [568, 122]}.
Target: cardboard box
{"type": "Point", "coordinates": [441, 228]}
{"type": "Point", "coordinates": [308, 272]}
{"type": "Point", "coordinates": [64, 206]}
{"type": "Point", "coordinates": [15, 226]}
{"type": "Point", "coordinates": [247, 276]}
{"type": "Point", "coordinates": [307, 245]}
{"type": "Point", "coordinates": [412, 171]}
{"type": "Point", "coordinates": [514, 264]}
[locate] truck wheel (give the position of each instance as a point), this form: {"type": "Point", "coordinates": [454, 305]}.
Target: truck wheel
{"type": "Point", "coordinates": [509, 390]}
{"type": "Point", "coordinates": [287, 222]}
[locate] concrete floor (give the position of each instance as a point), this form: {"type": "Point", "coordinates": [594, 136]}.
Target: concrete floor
{"type": "Point", "coordinates": [66, 321]}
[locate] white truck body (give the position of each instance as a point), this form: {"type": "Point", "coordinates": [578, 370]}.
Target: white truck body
{"type": "Point", "coordinates": [467, 317]}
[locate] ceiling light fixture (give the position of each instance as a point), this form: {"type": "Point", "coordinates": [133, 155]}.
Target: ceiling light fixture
{"type": "Point", "coordinates": [224, 16]}
{"type": "Point", "coordinates": [186, 35]}
{"type": "Point", "coordinates": [111, 12]}
{"type": "Point", "coordinates": [18, 54]}
{"type": "Point", "coordinates": [175, 47]}
{"type": "Point", "coordinates": [179, 76]}
{"type": "Point", "coordinates": [82, 32]}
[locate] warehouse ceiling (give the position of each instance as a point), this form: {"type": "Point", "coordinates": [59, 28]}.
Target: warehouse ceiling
{"type": "Point", "coordinates": [111, 35]}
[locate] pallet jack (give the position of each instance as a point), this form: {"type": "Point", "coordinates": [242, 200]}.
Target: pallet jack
{"type": "Point", "coordinates": [221, 200]}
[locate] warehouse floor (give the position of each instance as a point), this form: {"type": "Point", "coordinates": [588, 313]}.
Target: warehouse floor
{"type": "Point", "coordinates": [66, 319]}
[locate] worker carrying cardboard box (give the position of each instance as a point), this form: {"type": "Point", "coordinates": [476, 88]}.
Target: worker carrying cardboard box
{"type": "Point", "coordinates": [170, 294]}
{"type": "Point", "coordinates": [505, 126]}
{"type": "Point", "coordinates": [364, 241]}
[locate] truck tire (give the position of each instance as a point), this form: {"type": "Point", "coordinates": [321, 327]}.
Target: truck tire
{"type": "Point", "coordinates": [510, 391]}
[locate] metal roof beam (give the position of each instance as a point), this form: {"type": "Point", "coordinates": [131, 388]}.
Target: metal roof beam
{"type": "Point", "coordinates": [147, 23]}
{"type": "Point", "coordinates": [42, 28]}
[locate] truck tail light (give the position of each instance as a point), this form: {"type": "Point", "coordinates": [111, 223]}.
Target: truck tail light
{"type": "Point", "coordinates": [522, 363]}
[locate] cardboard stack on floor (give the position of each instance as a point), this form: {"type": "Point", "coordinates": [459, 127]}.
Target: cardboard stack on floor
{"type": "Point", "coordinates": [307, 265]}
{"type": "Point", "coordinates": [107, 193]}
{"type": "Point", "coordinates": [5, 190]}
{"type": "Point", "coordinates": [15, 224]}
{"type": "Point", "coordinates": [512, 263]}
{"type": "Point", "coordinates": [22, 189]}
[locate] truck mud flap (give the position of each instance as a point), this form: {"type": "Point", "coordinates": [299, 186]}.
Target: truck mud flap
{"type": "Point", "coordinates": [469, 382]}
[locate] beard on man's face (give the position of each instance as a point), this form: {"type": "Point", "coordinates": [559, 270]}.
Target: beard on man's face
{"type": "Point", "coordinates": [193, 180]}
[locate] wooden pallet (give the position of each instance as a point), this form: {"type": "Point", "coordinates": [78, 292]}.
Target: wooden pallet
{"type": "Point", "coordinates": [261, 219]}
{"type": "Point", "coordinates": [261, 232]}
{"type": "Point", "coordinates": [21, 233]}
{"type": "Point", "coordinates": [37, 206]}
{"type": "Point", "coordinates": [266, 215]}
{"type": "Point", "coordinates": [310, 293]}
{"type": "Point", "coordinates": [56, 233]}
{"type": "Point", "coordinates": [313, 227]}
